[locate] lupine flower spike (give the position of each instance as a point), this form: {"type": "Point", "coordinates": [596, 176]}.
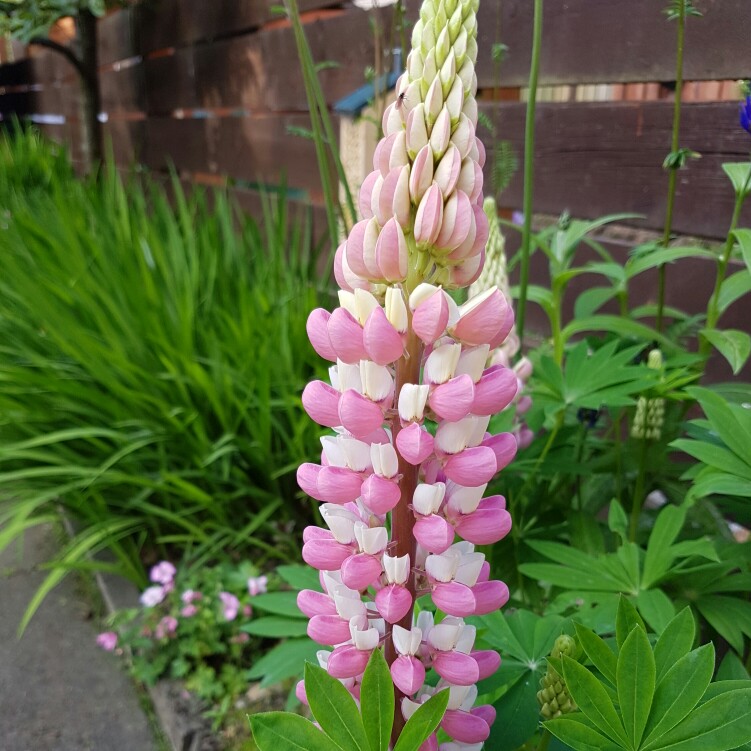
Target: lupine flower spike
{"type": "Point", "coordinates": [404, 354]}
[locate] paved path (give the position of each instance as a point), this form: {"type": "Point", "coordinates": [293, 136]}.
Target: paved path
{"type": "Point", "coordinates": [58, 690]}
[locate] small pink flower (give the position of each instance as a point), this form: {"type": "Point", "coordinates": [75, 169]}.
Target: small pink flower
{"type": "Point", "coordinates": [257, 585]}
{"type": "Point", "coordinates": [107, 641]}
{"type": "Point", "coordinates": [153, 596]}
{"type": "Point", "coordinates": [190, 595]}
{"type": "Point", "coordinates": [230, 605]}
{"type": "Point", "coordinates": [166, 627]}
{"type": "Point", "coordinates": [189, 611]}
{"type": "Point", "coordinates": [163, 573]}
{"type": "Point", "coordinates": [240, 638]}
{"type": "Point", "coordinates": [247, 611]}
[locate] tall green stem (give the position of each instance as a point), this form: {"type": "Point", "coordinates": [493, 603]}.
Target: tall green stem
{"type": "Point", "coordinates": [529, 168]}
{"type": "Point", "coordinates": [555, 322]}
{"type": "Point", "coordinates": [638, 491]}
{"type": "Point", "coordinates": [673, 178]}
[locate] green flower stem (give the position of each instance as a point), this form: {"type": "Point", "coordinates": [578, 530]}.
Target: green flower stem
{"type": "Point", "coordinates": [618, 456]}
{"type": "Point", "coordinates": [713, 309]}
{"type": "Point", "coordinates": [555, 322]}
{"type": "Point", "coordinates": [544, 740]}
{"type": "Point", "coordinates": [673, 178]}
{"type": "Point", "coordinates": [638, 492]}
{"type": "Point", "coordinates": [529, 167]}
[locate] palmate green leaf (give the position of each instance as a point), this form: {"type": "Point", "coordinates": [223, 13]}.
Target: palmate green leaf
{"type": "Point", "coordinates": [639, 264]}
{"type": "Point", "coordinates": [626, 619]}
{"type": "Point", "coordinates": [283, 661]}
{"type": "Point", "coordinates": [284, 731]}
{"type": "Point", "coordinates": [732, 668]}
{"type": "Point", "coordinates": [617, 520]}
{"type": "Point", "coordinates": [714, 456]}
{"type": "Point", "coordinates": [617, 325]}
{"type": "Point", "coordinates": [729, 616]}
{"type": "Point", "coordinates": [720, 724]}
{"type": "Point", "coordinates": [599, 653]}
{"type": "Point", "coordinates": [577, 735]}
{"type": "Point", "coordinates": [276, 627]}
{"type": "Point", "coordinates": [730, 421]}
{"type": "Point", "coordinates": [377, 702]}
{"type": "Point", "coordinates": [334, 709]}
{"type": "Point", "coordinates": [561, 576]}
{"type": "Point", "coordinates": [593, 700]}
{"type": "Point", "coordinates": [674, 642]}
{"type": "Point", "coordinates": [423, 722]}
{"type": "Point", "coordinates": [522, 634]}
{"type": "Point", "coordinates": [517, 714]}
{"type": "Point", "coordinates": [300, 577]}
{"type": "Point", "coordinates": [279, 603]}
{"type": "Point", "coordinates": [679, 691]}
{"type": "Point", "coordinates": [635, 675]}
{"type": "Point", "coordinates": [659, 557]}
{"type": "Point", "coordinates": [656, 608]}
{"type": "Point", "coordinates": [733, 345]}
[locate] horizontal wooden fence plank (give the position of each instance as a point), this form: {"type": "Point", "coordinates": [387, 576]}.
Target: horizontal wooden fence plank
{"type": "Point", "coordinates": [116, 38]}
{"type": "Point", "coordinates": [122, 90]}
{"type": "Point", "coordinates": [601, 41]}
{"type": "Point", "coordinates": [600, 158]}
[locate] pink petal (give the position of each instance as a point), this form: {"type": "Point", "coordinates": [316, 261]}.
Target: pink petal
{"type": "Point", "coordinates": [486, 711]}
{"type": "Point", "coordinates": [316, 533]}
{"type": "Point", "coordinates": [382, 341]}
{"type": "Point", "coordinates": [383, 153]}
{"type": "Point", "coordinates": [431, 744]}
{"type": "Point", "coordinates": [434, 533]}
{"type": "Point", "coordinates": [429, 216]}
{"type": "Point", "coordinates": [414, 443]}
{"type": "Point", "coordinates": [453, 400]}
{"type": "Point", "coordinates": [457, 668]}
{"type": "Point", "coordinates": [354, 248]}
{"type": "Point", "coordinates": [393, 602]}
{"type": "Point", "coordinates": [384, 208]}
{"type": "Point", "coordinates": [360, 570]}
{"type": "Point", "coordinates": [408, 674]}
{"type": "Point", "coordinates": [391, 252]}
{"type": "Point", "coordinates": [421, 176]}
{"type": "Point", "coordinates": [321, 402]}
{"type": "Point", "coordinates": [345, 334]}
{"type": "Point", "coordinates": [469, 271]}
{"type": "Point", "coordinates": [487, 661]}
{"type": "Point", "coordinates": [481, 318]}
{"type": "Point", "coordinates": [380, 494]}
{"type": "Point", "coordinates": [366, 189]}
{"type": "Point", "coordinates": [318, 334]}
{"type": "Point", "coordinates": [313, 603]}
{"type": "Point", "coordinates": [448, 169]}
{"type": "Point", "coordinates": [484, 526]}
{"type": "Point", "coordinates": [490, 596]}
{"type": "Point", "coordinates": [328, 630]}
{"type": "Point", "coordinates": [325, 555]}
{"type": "Point", "coordinates": [300, 693]}
{"type": "Point", "coordinates": [431, 317]}
{"type": "Point", "coordinates": [504, 330]}
{"type": "Point", "coordinates": [347, 662]}
{"type": "Point", "coordinates": [455, 599]}
{"type": "Point", "coordinates": [465, 727]}
{"type": "Point", "coordinates": [339, 484]}
{"type": "Point", "coordinates": [358, 414]}
{"type": "Point", "coordinates": [307, 479]}
{"type": "Point", "coordinates": [342, 272]}
{"type": "Point", "coordinates": [457, 220]}
{"type": "Point", "coordinates": [472, 467]}
{"type": "Point", "coordinates": [504, 447]}
{"type": "Point", "coordinates": [495, 390]}
{"type": "Point", "coordinates": [484, 572]}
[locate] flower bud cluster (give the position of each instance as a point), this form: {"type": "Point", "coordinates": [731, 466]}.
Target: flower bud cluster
{"type": "Point", "coordinates": [422, 204]}
{"type": "Point", "coordinates": [650, 411]}
{"type": "Point", "coordinates": [553, 695]}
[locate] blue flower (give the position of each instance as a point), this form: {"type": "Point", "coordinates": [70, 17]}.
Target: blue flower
{"type": "Point", "coordinates": [745, 114]}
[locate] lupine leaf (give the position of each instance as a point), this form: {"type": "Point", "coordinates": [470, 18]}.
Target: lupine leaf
{"type": "Point", "coordinates": [518, 715]}
{"type": "Point", "coordinates": [279, 603]}
{"type": "Point", "coordinates": [602, 657]}
{"type": "Point", "coordinates": [636, 683]}
{"type": "Point", "coordinates": [675, 642]}
{"type": "Point", "coordinates": [625, 620]}
{"type": "Point", "coordinates": [733, 345]}
{"type": "Point", "coordinates": [276, 626]}
{"type": "Point", "coordinates": [377, 702]}
{"type": "Point", "coordinates": [656, 608]}
{"type": "Point", "coordinates": [579, 736]}
{"type": "Point", "coordinates": [593, 700]}
{"type": "Point", "coordinates": [732, 668]}
{"type": "Point", "coordinates": [423, 722]}
{"type": "Point", "coordinates": [284, 731]}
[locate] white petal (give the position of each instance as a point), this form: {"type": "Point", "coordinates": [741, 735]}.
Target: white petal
{"type": "Point", "coordinates": [466, 639]}
{"type": "Point", "coordinates": [364, 639]}
{"type": "Point", "coordinates": [349, 607]}
{"type": "Point", "coordinates": [403, 640]}
{"type": "Point", "coordinates": [441, 363]}
{"type": "Point", "coordinates": [444, 636]}
{"type": "Point", "coordinates": [442, 567]}
{"type": "Point", "coordinates": [322, 655]}
{"type": "Point", "coordinates": [347, 301]}
{"type": "Point", "coordinates": [412, 399]}
{"type": "Point", "coordinates": [427, 499]}
{"type": "Point", "coordinates": [425, 622]}
{"type": "Point", "coordinates": [396, 309]}
{"type": "Point", "coordinates": [464, 500]}
{"type": "Point", "coordinates": [396, 568]}
{"type": "Point", "coordinates": [478, 431]}
{"type": "Point", "coordinates": [409, 707]}
{"type": "Point", "coordinates": [384, 459]}
{"type": "Point", "coordinates": [357, 453]}
{"type": "Point", "coordinates": [453, 437]}
{"type": "Point", "coordinates": [371, 540]}
{"type": "Point", "coordinates": [340, 521]}
{"type": "Point", "coordinates": [472, 362]}
{"type": "Point", "coordinates": [469, 568]}
{"type": "Point", "coordinates": [334, 451]}
{"type": "Point", "coordinates": [376, 380]}
{"type": "Point", "coordinates": [365, 303]}
{"type": "Point", "coordinates": [349, 377]}
{"type": "Point", "coordinates": [458, 695]}
{"type": "Point", "coordinates": [421, 293]}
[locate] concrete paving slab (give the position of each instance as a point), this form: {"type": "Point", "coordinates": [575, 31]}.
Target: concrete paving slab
{"type": "Point", "coordinates": [58, 690]}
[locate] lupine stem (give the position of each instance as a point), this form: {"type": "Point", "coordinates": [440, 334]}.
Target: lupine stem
{"type": "Point", "coordinates": [673, 178]}
{"type": "Point", "coordinates": [529, 167]}
{"type": "Point", "coordinates": [638, 492]}
{"type": "Point", "coordinates": [544, 741]}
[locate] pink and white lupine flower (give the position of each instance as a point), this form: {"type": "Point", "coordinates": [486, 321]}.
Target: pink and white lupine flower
{"type": "Point", "coordinates": [107, 640]}
{"type": "Point", "coordinates": [152, 596]}
{"type": "Point", "coordinates": [404, 506]}
{"type": "Point", "coordinates": [230, 606]}
{"type": "Point", "coordinates": [166, 627]}
{"type": "Point", "coordinates": [163, 573]}
{"type": "Point", "coordinates": [257, 585]}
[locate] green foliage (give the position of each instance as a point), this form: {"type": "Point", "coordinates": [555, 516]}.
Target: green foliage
{"type": "Point", "coordinates": [26, 19]}
{"type": "Point", "coordinates": [343, 726]}
{"type": "Point", "coordinates": [659, 698]}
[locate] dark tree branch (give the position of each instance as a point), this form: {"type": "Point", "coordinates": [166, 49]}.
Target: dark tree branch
{"type": "Point", "coordinates": [61, 49]}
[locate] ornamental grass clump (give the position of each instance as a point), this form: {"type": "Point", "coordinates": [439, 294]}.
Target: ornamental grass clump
{"type": "Point", "coordinates": [409, 399]}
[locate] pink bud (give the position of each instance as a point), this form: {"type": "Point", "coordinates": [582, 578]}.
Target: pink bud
{"type": "Point", "coordinates": [455, 599]}
{"type": "Point", "coordinates": [468, 272]}
{"type": "Point", "coordinates": [457, 221]}
{"type": "Point", "coordinates": [318, 334]}
{"type": "Point", "coordinates": [480, 318]}
{"type": "Point", "coordinates": [321, 402]}
{"type": "Point", "coordinates": [429, 218]}
{"type": "Point", "coordinates": [504, 330]}
{"type": "Point", "coordinates": [382, 341]}
{"type": "Point", "coordinates": [453, 400]}
{"type": "Point", "coordinates": [465, 727]}
{"type": "Point", "coordinates": [354, 248]}
{"type": "Point", "coordinates": [401, 206]}
{"type": "Point", "coordinates": [366, 191]}
{"type": "Point", "coordinates": [325, 555]}
{"type": "Point", "coordinates": [440, 135]}
{"type": "Point", "coordinates": [393, 602]}
{"type": "Point", "coordinates": [488, 524]}
{"type": "Point", "coordinates": [379, 494]}
{"type": "Point", "coordinates": [345, 334]}
{"type": "Point", "coordinates": [494, 391]}
{"type": "Point", "coordinates": [398, 152]}
{"type": "Point", "coordinates": [328, 630]}
{"type": "Point", "coordinates": [347, 662]}
{"type": "Point", "coordinates": [416, 130]}
{"type": "Point", "coordinates": [339, 484]}
{"type": "Point", "coordinates": [448, 170]}
{"type": "Point", "coordinates": [504, 447]}
{"type": "Point", "coordinates": [489, 596]}
{"type": "Point", "coordinates": [523, 405]}
{"type": "Point", "coordinates": [382, 154]}
{"type": "Point", "coordinates": [307, 479]}
{"type": "Point", "coordinates": [391, 252]}
{"type": "Point", "coordinates": [526, 436]}
{"type": "Point", "coordinates": [360, 570]}
{"type": "Point", "coordinates": [414, 443]}
{"type": "Point", "coordinates": [464, 136]}
{"type": "Point", "coordinates": [523, 369]}
{"type": "Point", "coordinates": [316, 533]}
{"type": "Point", "coordinates": [486, 711]}
{"type": "Point", "coordinates": [456, 668]}
{"type": "Point", "coordinates": [408, 674]}
{"type": "Point", "coordinates": [484, 574]}
{"type": "Point", "coordinates": [345, 277]}
{"type": "Point", "coordinates": [431, 317]}
{"type": "Point", "coordinates": [467, 247]}
{"type": "Point", "coordinates": [472, 467]}
{"type": "Point", "coordinates": [421, 176]}
{"type": "Point", "coordinates": [431, 744]}
{"type": "Point", "coordinates": [358, 414]}
{"type": "Point", "coordinates": [391, 121]}
{"type": "Point", "coordinates": [434, 533]}
{"type": "Point", "coordinates": [313, 603]}
{"type": "Point", "coordinates": [382, 209]}
{"type": "Point", "coordinates": [487, 661]}
{"type": "Point", "coordinates": [300, 693]}
{"type": "Point", "coordinates": [480, 151]}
